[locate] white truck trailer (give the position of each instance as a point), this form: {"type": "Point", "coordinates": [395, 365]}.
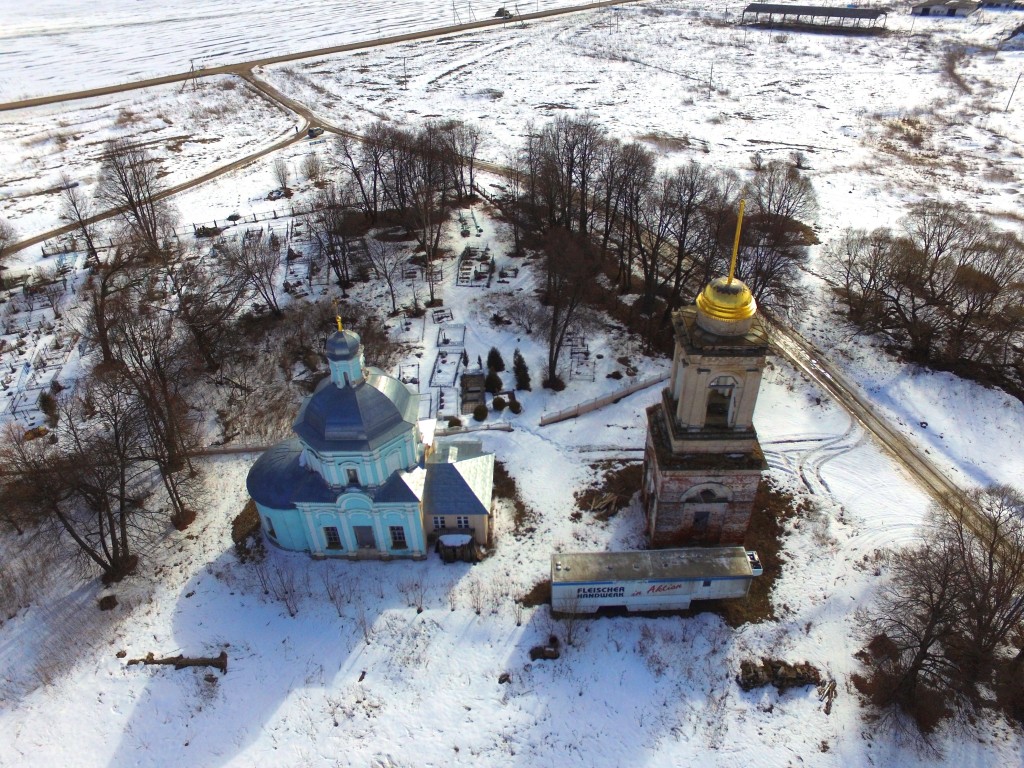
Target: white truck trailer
{"type": "Point", "coordinates": [650, 580]}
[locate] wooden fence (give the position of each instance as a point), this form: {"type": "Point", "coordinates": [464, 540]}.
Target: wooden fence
{"type": "Point", "coordinates": [599, 402]}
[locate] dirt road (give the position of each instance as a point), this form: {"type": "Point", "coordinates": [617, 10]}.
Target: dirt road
{"type": "Point", "coordinates": [239, 68]}
{"type": "Point", "coordinates": [808, 359]}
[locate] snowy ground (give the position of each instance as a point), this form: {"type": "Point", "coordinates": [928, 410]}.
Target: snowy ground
{"type": "Point", "coordinates": [880, 121]}
{"type": "Point", "coordinates": [423, 691]}
{"type": "Point", "coordinates": [65, 45]}
{"type": "Point", "coordinates": [634, 691]}
{"type": "Point", "coordinates": [187, 130]}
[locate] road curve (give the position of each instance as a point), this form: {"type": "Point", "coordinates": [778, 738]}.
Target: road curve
{"type": "Point", "coordinates": [288, 139]}
{"type": "Point", "coordinates": [806, 358]}
{"type": "Point", "coordinates": [797, 350]}
{"type": "Point", "coordinates": [238, 67]}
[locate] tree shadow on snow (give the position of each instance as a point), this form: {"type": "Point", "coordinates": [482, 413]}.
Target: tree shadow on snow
{"type": "Point", "coordinates": [199, 716]}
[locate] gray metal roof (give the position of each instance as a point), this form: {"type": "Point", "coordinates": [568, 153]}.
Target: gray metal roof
{"type": "Point", "coordinates": [395, 491]}
{"type": "Point", "coordinates": [277, 479]}
{"type": "Point", "coordinates": [356, 418]}
{"type": "Point", "coordinates": [816, 10]}
{"type": "Point", "coordinates": [460, 479]}
{"type": "Point", "coordinates": [342, 345]}
{"type": "Point", "coordinates": [667, 564]}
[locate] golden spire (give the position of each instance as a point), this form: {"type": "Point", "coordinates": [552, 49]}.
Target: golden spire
{"type": "Point", "coordinates": [337, 315]}
{"type": "Point", "coordinates": [726, 306]}
{"type": "Point", "coordinates": [736, 242]}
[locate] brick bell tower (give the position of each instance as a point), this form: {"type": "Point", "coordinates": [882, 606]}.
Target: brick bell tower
{"type": "Point", "coordinates": [702, 462]}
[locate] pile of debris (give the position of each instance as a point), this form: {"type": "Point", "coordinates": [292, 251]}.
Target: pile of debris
{"type": "Point", "coordinates": [781, 674]}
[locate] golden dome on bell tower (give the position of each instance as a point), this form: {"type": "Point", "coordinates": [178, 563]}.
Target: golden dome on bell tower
{"type": "Point", "coordinates": [726, 307]}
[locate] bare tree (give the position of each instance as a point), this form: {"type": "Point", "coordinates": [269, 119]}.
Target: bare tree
{"type": "Point", "coordinates": [254, 261]}
{"type": "Point", "coordinates": [208, 298]}
{"type": "Point", "coordinates": [51, 285]}
{"type": "Point", "coordinates": [7, 239]}
{"type": "Point", "coordinates": [153, 356]}
{"type": "Point", "coordinates": [129, 184]}
{"type": "Point", "coordinates": [91, 485]}
{"type": "Point", "coordinates": [104, 295]}
{"type": "Point", "coordinates": [987, 537]}
{"type": "Point", "coordinates": [569, 275]}
{"type": "Point", "coordinates": [364, 163]}
{"type": "Point", "coordinates": [76, 208]}
{"type": "Point", "coordinates": [387, 261]}
{"type": "Point", "coordinates": [776, 234]}
{"type": "Point", "coordinates": [946, 288]}
{"type": "Point", "coordinates": [313, 167]}
{"type": "Point", "coordinates": [330, 226]}
{"type": "Point", "coordinates": [281, 173]}
{"type": "Point", "coordinates": [949, 608]}
{"type": "Point", "coordinates": [913, 616]}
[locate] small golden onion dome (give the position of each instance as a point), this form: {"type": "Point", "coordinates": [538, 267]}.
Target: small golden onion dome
{"type": "Point", "coordinates": [722, 300]}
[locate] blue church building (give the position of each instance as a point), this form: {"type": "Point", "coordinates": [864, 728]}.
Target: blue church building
{"type": "Point", "coordinates": [357, 480]}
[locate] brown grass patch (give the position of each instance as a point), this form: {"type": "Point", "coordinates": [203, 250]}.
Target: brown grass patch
{"type": "Point", "coordinates": [245, 533]}
{"type": "Point", "coordinates": [666, 142]}
{"type": "Point", "coordinates": [612, 491]}
{"type": "Point", "coordinates": [505, 487]}
{"type": "Point", "coordinates": [539, 595]}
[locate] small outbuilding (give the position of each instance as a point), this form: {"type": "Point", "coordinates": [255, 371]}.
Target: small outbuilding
{"type": "Point", "coordinates": [945, 8]}
{"type": "Point", "coordinates": [651, 580]}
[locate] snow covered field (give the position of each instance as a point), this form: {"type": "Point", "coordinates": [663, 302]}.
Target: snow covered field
{"type": "Point", "coordinates": [878, 118]}
{"type": "Point", "coordinates": [424, 691]}
{"type": "Point", "coordinates": [187, 130]}
{"type": "Point", "coordinates": [67, 45]}
{"type": "Point", "coordinates": [633, 691]}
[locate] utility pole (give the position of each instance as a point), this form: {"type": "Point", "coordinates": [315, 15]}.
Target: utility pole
{"type": "Point", "coordinates": [1012, 92]}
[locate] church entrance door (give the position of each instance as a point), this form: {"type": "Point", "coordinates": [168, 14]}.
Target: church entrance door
{"type": "Point", "coordinates": [364, 536]}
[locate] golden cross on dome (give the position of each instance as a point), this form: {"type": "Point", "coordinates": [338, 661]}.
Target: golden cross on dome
{"type": "Point", "coordinates": [736, 242]}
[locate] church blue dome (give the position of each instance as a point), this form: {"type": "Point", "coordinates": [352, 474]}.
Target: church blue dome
{"type": "Point", "coordinates": [343, 346]}
{"type": "Point", "coordinates": [359, 417]}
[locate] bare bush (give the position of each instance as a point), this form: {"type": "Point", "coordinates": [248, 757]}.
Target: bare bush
{"type": "Point", "coordinates": [335, 589]}
{"type": "Point", "coordinates": [281, 172]}
{"type": "Point", "coordinates": [313, 167]}
{"type": "Point", "coordinates": [414, 592]}
{"type": "Point", "coordinates": [365, 624]}
{"type": "Point", "coordinates": [284, 588]}
{"type": "Point", "coordinates": [477, 596]}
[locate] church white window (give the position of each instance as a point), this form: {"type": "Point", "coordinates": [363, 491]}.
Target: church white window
{"type": "Point", "coordinates": [353, 476]}
{"type": "Point", "coordinates": [332, 537]}
{"type": "Point", "coordinates": [462, 521]}
{"type": "Point", "coordinates": [438, 522]}
{"type": "Point", "coordinates": [397, 537]}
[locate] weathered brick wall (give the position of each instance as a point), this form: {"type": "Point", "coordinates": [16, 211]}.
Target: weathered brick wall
{"type": "Point", "coordinates": [727, 521]}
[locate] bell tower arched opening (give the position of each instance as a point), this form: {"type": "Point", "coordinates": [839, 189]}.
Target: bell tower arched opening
{"type": "Point", "coordinates": [720, 411]}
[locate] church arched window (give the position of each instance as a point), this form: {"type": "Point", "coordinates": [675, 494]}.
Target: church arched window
{"type": "Point", "coordinates": [721, 396]}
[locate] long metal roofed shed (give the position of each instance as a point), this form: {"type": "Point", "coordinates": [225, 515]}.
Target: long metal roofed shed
{"type": "Point", "coordinates": [650, 580]}
{"type": "Point", "coordinates": [818, 15]}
